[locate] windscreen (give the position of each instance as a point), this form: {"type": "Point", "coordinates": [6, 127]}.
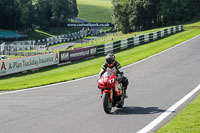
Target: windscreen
{"type": "Point", "coordinates": [107, 74]}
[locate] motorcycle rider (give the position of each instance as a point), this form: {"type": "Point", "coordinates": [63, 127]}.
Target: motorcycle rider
{"type": "Point", "coordinates": [112, 65]}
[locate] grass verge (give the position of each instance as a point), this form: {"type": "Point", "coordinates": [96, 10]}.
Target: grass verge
{"type": "Point", "coordinates": [187, 121]}
{"type": "Point", "coordinates": [95, 10]}
{"type": "Point", "coordinates": [50, 32]}
{"type": "Point", "coordinates": [45, 33]}
{"type": "Point", "coordinates": [73, 71]}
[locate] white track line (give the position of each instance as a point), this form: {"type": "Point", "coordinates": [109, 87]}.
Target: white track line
{"type": "Point", "coordinates": [11, 92]}
{"type": "Point", "coordinates": [160, 118]}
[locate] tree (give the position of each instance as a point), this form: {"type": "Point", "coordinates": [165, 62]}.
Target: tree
{"type": "Point", "coordinates": [120, 15]}
{"type": "Point", "coordinates": [75, 9]}
{"type": "Point", "coordinates": [26, 13]}
{"type": "Point", "coordinates": [135, 15]}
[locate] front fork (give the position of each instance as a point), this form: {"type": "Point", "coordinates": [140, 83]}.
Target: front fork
{"type": "Point", "coordinates": [110, 94]}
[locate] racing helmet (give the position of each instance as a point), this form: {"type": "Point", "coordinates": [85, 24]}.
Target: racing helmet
{"type": "Point", "coordinates": [110, 59]}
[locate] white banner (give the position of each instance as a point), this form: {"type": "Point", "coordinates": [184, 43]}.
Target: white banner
{"type": "Point", "coordinates": [146, 38]}
{"type": "Point", "coordinates": [136, 41]}
{"type": "Point", "coordinates": [154, 35]}
{"type": "Point", "coordinates": [124, 43]}
{"type": "Point", "coordinates": [169, 31]}
{"type": "Point", "coordinates": [108, 48]}
{"type": "Point", "coordinates": [174, 29]}
{"type": "Point", "coordinates": [179, 28]}
{"type": "Point", "coordinates": [162, 33]}
{"type": "Point", "coordinates": [22, 64]}
{"type": "Point", "coordinates": [2, 46]}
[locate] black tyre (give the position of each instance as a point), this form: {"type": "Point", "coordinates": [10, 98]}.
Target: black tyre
{"type": "Point", "coordinates": [107, 105]}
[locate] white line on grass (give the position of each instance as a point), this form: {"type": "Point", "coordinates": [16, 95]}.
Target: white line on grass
{"type": "Point", "coordinates": [160, 118]}
{"type": "Point", "coordinates": [11, 92]}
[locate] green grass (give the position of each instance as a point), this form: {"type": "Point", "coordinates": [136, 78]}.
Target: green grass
{"type": "Point", "coordinates": [187, 121]}
{"type": "Point", "coordinates": [63, 30]}
{"type": "Point", "coordinates": [91, 67]}
{"type": "Point", "coordinates": [45, 33]}
{"type": "Point", "coordinates": [33, 35]}
{"type": "Point", "coordinates": [95, 10]}
{"type": "Point", "coordinates": [49, 32]}
{"type": "Point", "coordinates": [12, 56]}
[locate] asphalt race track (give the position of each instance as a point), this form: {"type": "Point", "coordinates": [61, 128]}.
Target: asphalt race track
{"type": "Point", "coordinates": [76, 107]}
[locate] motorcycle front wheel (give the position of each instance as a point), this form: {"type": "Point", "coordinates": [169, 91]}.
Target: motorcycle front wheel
{"type": "Point", "coordinates": [107, 105]}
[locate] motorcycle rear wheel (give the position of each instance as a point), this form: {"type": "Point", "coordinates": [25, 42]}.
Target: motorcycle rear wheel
{"type": "Point", "coordinates": [107, 105]}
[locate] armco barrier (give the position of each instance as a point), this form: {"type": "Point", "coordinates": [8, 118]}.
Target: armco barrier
{"type": "Point", "coordinates": [137, 40]}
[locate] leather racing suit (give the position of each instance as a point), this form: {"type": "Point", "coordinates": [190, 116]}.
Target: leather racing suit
{"type": "Point", "coordinates": [116, 68]}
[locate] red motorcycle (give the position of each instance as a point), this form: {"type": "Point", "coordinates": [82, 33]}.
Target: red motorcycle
{"type": "Point", "coordinates": [111, 91]}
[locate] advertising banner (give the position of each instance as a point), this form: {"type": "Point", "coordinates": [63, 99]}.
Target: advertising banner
{"type": "Point", "coordinates": [22, 64]}
{"type": "Point", "coordinates": [90, 25]}
{"type": "Point", "coordinates": [64, 56]}
{"type": "Point", "coordinates": [82, 24]}
{"type": "Point", "coordinates": [77, 54]}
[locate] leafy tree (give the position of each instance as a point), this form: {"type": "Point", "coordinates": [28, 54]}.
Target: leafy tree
{"type": "Point", "coordinates": [120, 15]}
{"type": "Point", "coordinates": [26, 13]}
{"type": "Point", "coordinates": [135, 15]}
{"type": "Point", "coordinates": [75, 9]}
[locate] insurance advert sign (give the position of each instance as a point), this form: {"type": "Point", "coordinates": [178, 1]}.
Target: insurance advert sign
{"type": "Point", "coordinates": [27, 63]}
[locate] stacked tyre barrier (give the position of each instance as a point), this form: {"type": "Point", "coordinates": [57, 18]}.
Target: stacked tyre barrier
{"type": "Point", "coordinates": [136, 40]}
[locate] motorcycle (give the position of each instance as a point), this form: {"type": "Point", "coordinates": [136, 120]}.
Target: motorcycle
{"type": "Point", "coordinates": [111, 91]}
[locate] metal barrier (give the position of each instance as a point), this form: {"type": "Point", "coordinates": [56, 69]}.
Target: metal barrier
{"type": "Point", "coordinates": [137, 40]}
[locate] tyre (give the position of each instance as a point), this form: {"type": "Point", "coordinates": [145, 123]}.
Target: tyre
{"type": "Point", "coordinates": [107, 105]}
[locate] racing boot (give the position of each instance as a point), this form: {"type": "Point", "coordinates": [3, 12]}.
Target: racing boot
{"type": "Point", "coordinates": [125, 95]}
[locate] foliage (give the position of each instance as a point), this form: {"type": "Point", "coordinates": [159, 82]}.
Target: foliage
{"type": "Point", "coordinates": [135, 15]}
{"type": "Point", "coordinates": [27, 13]}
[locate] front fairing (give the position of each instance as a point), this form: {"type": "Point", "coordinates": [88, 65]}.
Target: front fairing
{"type": "Point", "coordinates": [107, 82]}
{"type": "Point", "coordinates": [102, 82]}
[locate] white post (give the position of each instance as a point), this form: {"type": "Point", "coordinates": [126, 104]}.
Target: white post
{"type": "Point", "coordinates": [2, 46]}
